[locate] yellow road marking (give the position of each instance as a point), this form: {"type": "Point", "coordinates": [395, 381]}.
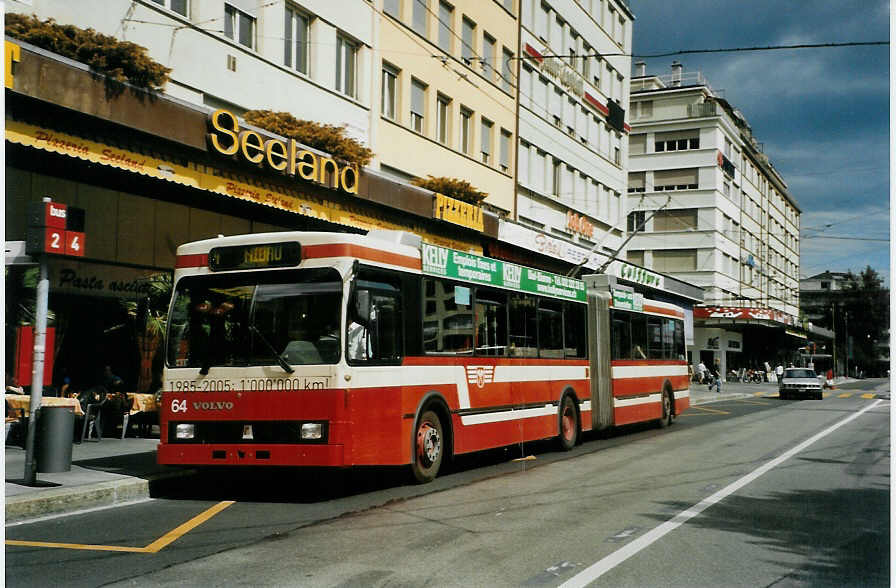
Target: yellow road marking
{"type": "Point", "coordinates": [758, 393]}
{"type": "Point", "coordinates": [845, 395]}
{"type": "Point", "coordinates": [710, 410]}
{"type": "Point", "coordinates": [154, 547]}
{"type": "Point", "coordinates": [825, 394]}
{"type": "Point", "coordinates": [868, 396]}
{"type": "Point", "coordinates": [741, 400]}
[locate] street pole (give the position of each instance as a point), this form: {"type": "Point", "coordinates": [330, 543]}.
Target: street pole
{"type": "Point", "coordinates": [37, 371]}
{"type": "Point", "coordinates": [834, 328]}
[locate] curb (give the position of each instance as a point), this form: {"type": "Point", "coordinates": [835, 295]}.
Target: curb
{"type": "Point", "coordinates": [63, 500]}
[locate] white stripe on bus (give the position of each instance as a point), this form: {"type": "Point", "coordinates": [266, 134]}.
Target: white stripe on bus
{"type": "Point", "coordinates": [508, 415]}
{"type": "Point", "coordinates": [651, 399]}
{"type": "Point", "coordinates": [648, 371]}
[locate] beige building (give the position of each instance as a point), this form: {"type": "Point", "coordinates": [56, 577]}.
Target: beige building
{"type": "Point", "coordinates": [444, 99]}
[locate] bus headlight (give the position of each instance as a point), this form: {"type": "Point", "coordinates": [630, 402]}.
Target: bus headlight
{"type": "Point", "coordinates": [185, 431]}
{"type": "Point", "coordinates": [312, 431]}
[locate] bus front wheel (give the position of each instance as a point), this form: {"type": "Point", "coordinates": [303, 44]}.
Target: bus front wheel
{"type": "Point", "coordinates": [569, 423]}
{"type": "Point", "coordinates": [428, 447]}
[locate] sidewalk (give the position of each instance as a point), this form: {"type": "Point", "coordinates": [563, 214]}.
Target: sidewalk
{"type": "Point", "coordinates": [700, 394]}
{"type": "Point", "coordinates": [103, 473]}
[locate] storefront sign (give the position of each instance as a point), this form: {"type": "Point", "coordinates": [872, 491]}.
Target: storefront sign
{"type": "Point", "coordinates": [546, 245]}
{"type": "Point", "coordinates": [287, 157]}
{"type": "Point", "coordinates": [458, 212]}
{"type": "Point", "coordinates": [627, 300]}
{"type": "Point", "coordinates": [729, 312]}
{"type": "Point", "coordinates": [206, 178]}
{"type": "Point", "coordinates": [557, 69]}
{"type": "Point", "coordinates": [638, 275]}
{"type": "Point", "coordinates": [579, 224]}
{"type": "Point", "coordinates": [467, 267]}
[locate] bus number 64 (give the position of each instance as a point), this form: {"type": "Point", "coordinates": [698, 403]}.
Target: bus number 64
{"type": "Point", "coordinates": [178, 406]}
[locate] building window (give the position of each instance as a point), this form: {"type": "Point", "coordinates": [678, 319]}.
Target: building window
{"type": "Point", "coordinates": [178, 6]}
{"type": "Point", "coordinates": [505, 150]}
{"type": "Point", "coordinates": [239, 26]}
{"type": "Point", "coordinates": [542, 15]}
{"type": "Point", "coordinates": [486, 141]}
{"type": "Point", "coordinates": [467, 29]}
{"type": "Point", "coordinates": [675, 179]}
{"type": "Point", "coordinates": [418, 104]}
{"type": "Point", "coordinates": [506, 70]}
{"type": "Point", "coordinates": [635, 182]}
{"type": "Point", "coordinates": [466, 129]}
{"type": "Point", "coordinates": [674, 141]}
{"type": "Point", "coordinates": [392, 8]}
{"type": "Point", "coordinates": [419, 17]}
{"type": "Point", "coordinates": [444, 119]}
{"type": "Point", "coordinates": [508, 5]}
{"type": "Point", "coordinates": [390, 96]}
{"type": "Point", "coordinates": [635, 221]}
{"type": "Point", "coordinates": [675, 220]}
{"type": "Point", "coordinates": [346, 54]}
{"type": "Point", "coordinates": [635, 257]}
{"type": "Point", "coordinates": [295, 43]}
{"type": "Point", "coordinates": [488, 56]}
{"type": "Point", "coordinates": [446, 16]}
{"type": "Point", "coordinates": [675, 260]}
{"type": "Point", "coordinates": [555, 178]}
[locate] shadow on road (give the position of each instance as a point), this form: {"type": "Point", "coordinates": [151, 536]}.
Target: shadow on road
{"type": "Point", "coordinates": [842, 534]}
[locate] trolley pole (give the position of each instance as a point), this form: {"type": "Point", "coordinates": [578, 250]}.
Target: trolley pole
{"type": "Point", "coordinates": [37, 371]}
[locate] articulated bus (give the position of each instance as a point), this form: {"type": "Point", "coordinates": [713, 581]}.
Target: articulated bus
{"type": "Point", "coordinates": [332, 349]}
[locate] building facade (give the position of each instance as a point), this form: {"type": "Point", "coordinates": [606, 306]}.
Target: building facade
{"type": "Point", "coordinates": [707, 206]}
{"type": "Point", "coordinates": [573, 131]}
{"type": "Point", "coordinates": [445, 102]}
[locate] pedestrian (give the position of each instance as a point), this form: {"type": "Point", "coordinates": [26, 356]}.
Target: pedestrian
{"type": "Point", "coordinates": [716, 375]}
{"type": "Point", "coordinates": [779, 371]}
{"type": "Point", "coordinates": [701, 372]}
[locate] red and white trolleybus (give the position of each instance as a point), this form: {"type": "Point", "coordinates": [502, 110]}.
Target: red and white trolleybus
{"type": "Point", "coordinates": [332, 349]}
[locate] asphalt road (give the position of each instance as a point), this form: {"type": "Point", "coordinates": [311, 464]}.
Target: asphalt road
{"type": "Point", "coordinates": [749, 492]}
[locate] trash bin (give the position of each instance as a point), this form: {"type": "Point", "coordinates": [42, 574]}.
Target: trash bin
{"type": "Point", "coordinates": [55, 430]}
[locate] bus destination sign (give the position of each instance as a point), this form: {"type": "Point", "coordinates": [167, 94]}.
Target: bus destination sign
{"type": "Point", "coordinates": [242, 257]}
{"type": "Point", "coordinates": [449, 263]}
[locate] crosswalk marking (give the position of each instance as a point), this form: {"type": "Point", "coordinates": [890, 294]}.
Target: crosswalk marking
{"type": "Point", "coordinates": [845, 395]}
{"type": "Point", "coordinates": [868, 396]}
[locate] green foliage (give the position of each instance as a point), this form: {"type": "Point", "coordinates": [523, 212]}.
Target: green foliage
{"type": "Point", "coordinates": [866, 317]}
{"type": "Point", "coordinates": [453, 188]}
{"type": "Point", "coordinates": [327, 138]}
{"type": "Point", "coordinates": [119, 60]}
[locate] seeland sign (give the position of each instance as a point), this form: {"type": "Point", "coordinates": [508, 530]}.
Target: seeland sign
{"type": "Point", "coordinates": [288, 157]}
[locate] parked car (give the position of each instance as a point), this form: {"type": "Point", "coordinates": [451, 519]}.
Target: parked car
{"type": "Point", "coordinates": [799, 382]}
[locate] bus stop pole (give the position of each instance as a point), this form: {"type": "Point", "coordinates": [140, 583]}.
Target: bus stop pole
{"type": "Point", "coordinates": [37, 372]}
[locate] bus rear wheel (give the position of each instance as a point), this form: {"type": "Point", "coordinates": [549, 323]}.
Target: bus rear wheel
{"type": "Point", "coordinates": [428, 447]}
{"type": "Point", "coordinates": [569, 423]}
{"type": "Point", "coordinates": [668, 412]}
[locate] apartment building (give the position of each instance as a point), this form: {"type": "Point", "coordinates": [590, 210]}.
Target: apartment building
{"type": "Point", "coordinates": [708, 207]}
{"type": "Point", "coordinates": [446, 93]}
{"type": "Point", "coordinates": [573, 134]}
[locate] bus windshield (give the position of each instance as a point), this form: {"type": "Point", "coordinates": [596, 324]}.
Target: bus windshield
{"type": "Point", "coordinates": [252, 317]}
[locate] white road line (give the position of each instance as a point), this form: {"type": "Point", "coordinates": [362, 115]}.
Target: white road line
{"type": "Point", "coordinates": [596, 570]}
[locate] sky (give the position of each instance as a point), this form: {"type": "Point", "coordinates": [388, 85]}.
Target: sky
{"type": "Point", "coordinates": [821, 114]}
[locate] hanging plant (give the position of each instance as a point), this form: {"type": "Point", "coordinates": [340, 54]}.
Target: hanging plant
{"type": "Point", "coordinates": [327, 138]}
{"type": "Point", "coordinates": [453, 188]}
{"type": "Point", "coordinates": [122, 61]}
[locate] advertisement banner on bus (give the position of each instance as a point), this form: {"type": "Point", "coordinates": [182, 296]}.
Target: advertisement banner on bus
{"type": "Point", "coordinates": [449, 263]}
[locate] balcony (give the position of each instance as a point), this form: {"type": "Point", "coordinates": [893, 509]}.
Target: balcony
{"type": "Point", "coordinates": [702, 109]}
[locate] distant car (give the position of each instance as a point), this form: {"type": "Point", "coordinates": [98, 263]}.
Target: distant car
{"type": "Point", "coordinates": [799, 382]}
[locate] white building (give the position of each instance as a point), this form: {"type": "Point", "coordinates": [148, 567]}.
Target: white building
{"type": "Point", "coordinates": [573, 136]}
{"type": "Point", "coordinates": [245, 54]}
{"type": "Point", "coordinates": [713, 211]}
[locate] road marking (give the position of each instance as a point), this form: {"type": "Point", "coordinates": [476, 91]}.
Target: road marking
{"type": "Point", "coordinates": [751, 402]}
{"type": "Point", "coordinates": [710, 410]}
{"type": "Point", "coordinates": [845, 395]}
{"type": "Point", "coordinates": [868, 396]}
{"type": "Point", "coordinates": [758, 393]}
{"type": "Point", "coordinates": [609, 562]}
{"type": "Point", "coordinates": [153, 547]}
{"type": "Point", "coordinates": [825, 394]}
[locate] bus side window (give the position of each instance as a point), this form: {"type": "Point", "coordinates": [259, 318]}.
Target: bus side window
{"type": "Point", "coordinates": [374, 330]}
{"type": "Point", "coordinates": [575, 330]}
{"type": "Point", "coordinates": [620, 337]}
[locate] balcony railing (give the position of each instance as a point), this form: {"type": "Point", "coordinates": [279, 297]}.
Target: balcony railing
{"type": "Point", "coordinates": [702, 109]}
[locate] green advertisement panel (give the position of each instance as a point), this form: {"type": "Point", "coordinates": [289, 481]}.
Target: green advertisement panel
{"type": "Point", "coordinates": [467, 267]}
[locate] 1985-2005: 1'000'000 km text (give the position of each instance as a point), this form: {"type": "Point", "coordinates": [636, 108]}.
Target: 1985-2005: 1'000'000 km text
{"type": "Point", "coordinates": [248, 384]}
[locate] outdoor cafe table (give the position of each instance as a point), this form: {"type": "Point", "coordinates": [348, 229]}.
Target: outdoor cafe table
{"type": "Point", "coordinates": [23, 402]}
{"type": "Point", "coordinates": [142, 403]}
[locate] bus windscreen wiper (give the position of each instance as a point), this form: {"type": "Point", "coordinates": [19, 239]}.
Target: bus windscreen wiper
{"type": "Point", "coordinates": [273, 351]}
